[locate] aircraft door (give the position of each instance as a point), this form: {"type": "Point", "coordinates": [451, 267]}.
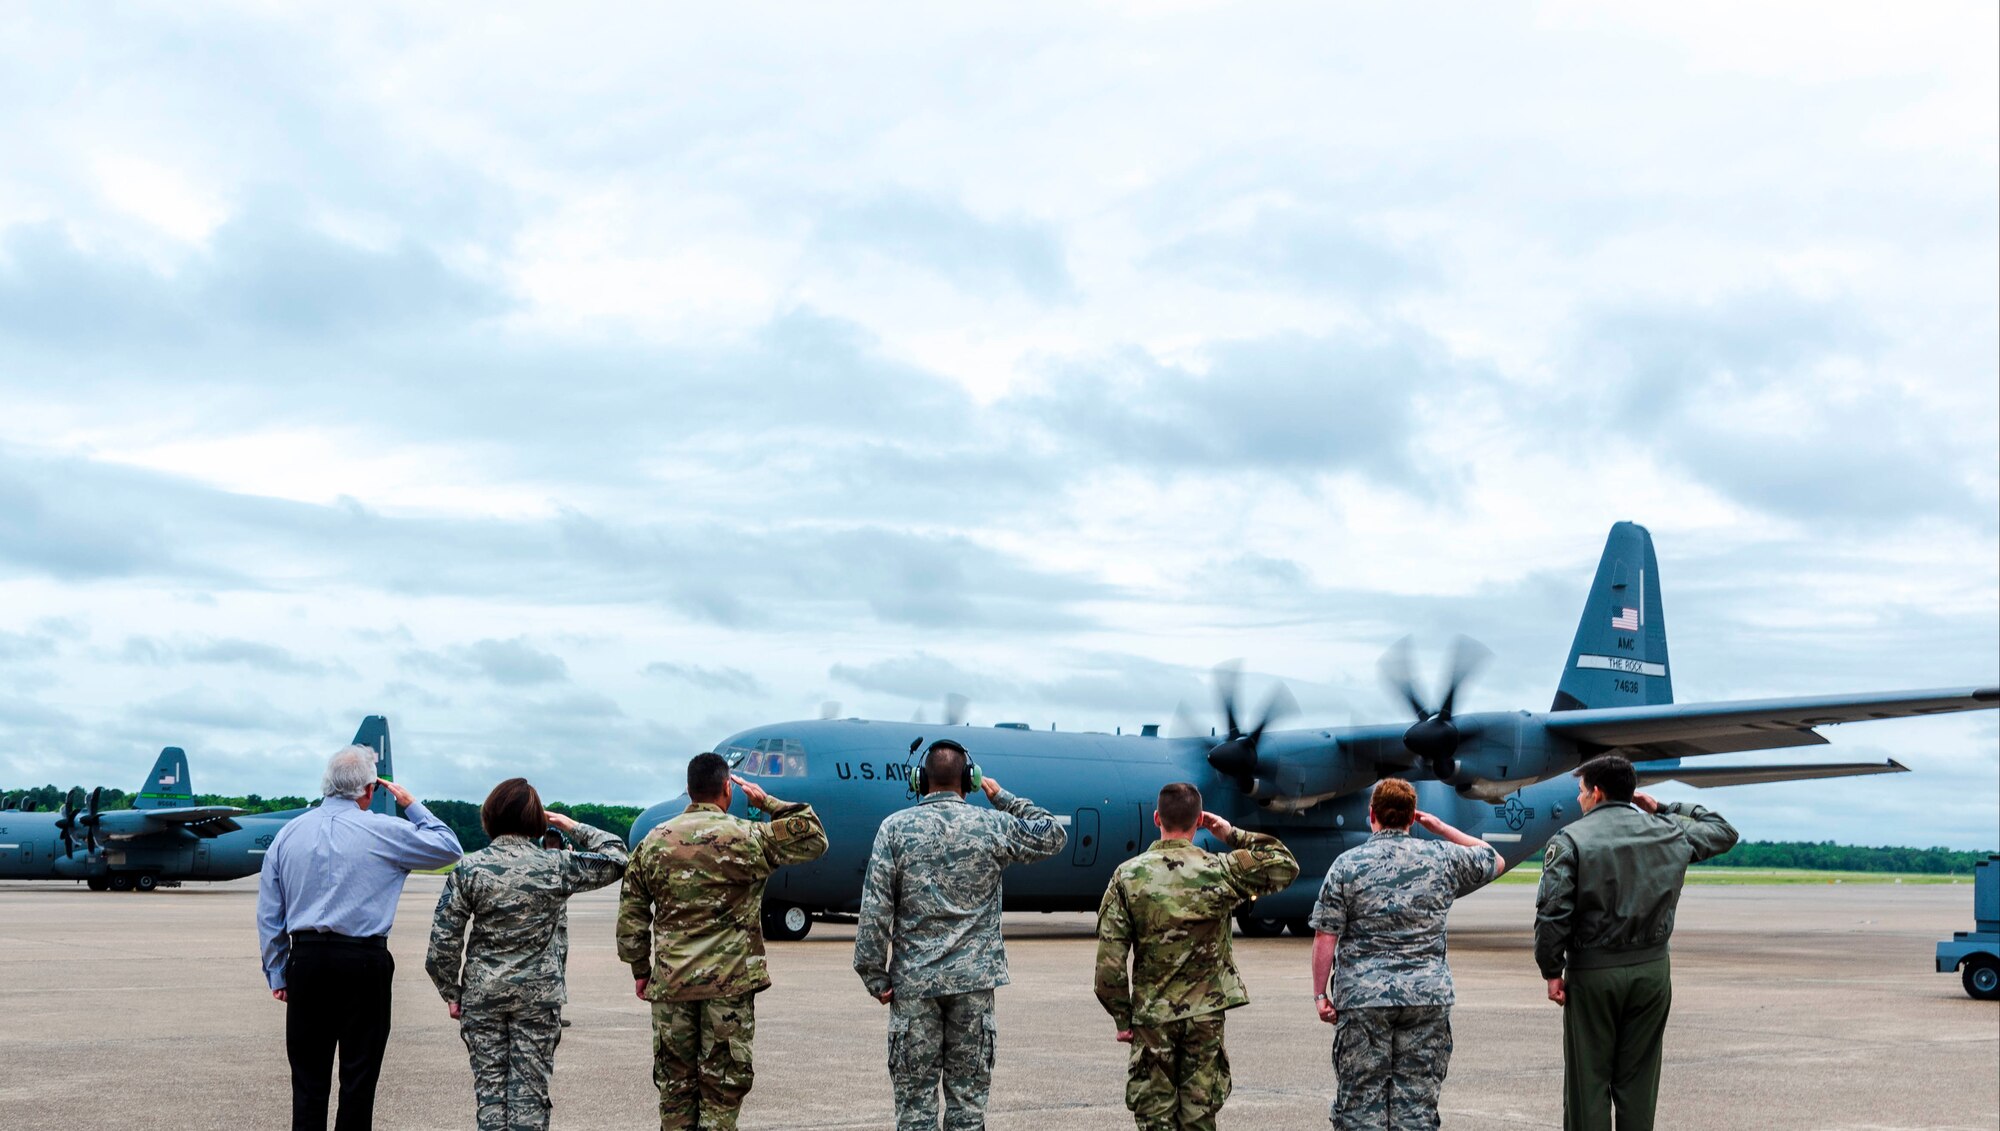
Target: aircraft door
{"type": "Point", "coordinates": [1083, 835]}
{"type": "Point", "coordinates": [201, 858]}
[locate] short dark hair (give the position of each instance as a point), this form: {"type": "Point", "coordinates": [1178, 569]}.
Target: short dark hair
{"type": "Point", "coordinates": [1180, 806]}
{"type": "Point", "coordinates": [708, 776]}
{"type": "Point", "coordinates": [1611, 773]}
{"type": "Point", "coordinates": [513, 808]}
{"type": "Point", "coordinates": [944, 765]}
{"type": "Point", "coordinates": [1394, 803]}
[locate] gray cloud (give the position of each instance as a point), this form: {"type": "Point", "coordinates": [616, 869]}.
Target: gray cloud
{"type": "Point", "coordinates": [937, 233]}
{"type": "Point", "coordinates": [725, 679]}
{"type": "Point", "coordinates": [1292, 404]}
{"type": "Point", "coordinates": [15, 646]}
{"type": "Point", "coordinates": [202, 707]}
{"type": "Point", "coordinates": [211, 650]}
{"type": "Point", "coordinates": [264, 272]}
{"type": "Point", "coordinates": [1732, 393]}
{"type": "Point", "coordinates": [509, 663]}
{"type": "Point", "coordinates": [1311, 248]}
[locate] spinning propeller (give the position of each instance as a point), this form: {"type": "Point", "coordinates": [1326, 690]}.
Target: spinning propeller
{"type": "Point", "coordinates": [955, 706]}
{"type": "Point", "coordinates": [1236, 753]}
{"type": "Point", "coordinates": [1434, 737]}
{"type": "Point", "coordinates": [89, 820]}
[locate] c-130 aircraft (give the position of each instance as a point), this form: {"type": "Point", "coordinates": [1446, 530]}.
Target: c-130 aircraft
{"type": "Point", "coordinates": [1498, 775]}
{"type": "Point", "coordinates": [165, 838]}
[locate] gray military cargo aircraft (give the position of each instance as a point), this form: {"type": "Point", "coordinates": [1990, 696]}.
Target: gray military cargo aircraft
{"type": "Point", "coordinates": [165, 838]}
{"type": "Point", "coordinates": [1498, 775]}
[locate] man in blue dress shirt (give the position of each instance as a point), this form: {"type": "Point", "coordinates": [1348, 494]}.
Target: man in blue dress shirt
{"type": "Point", "coordinates": [325, 903]}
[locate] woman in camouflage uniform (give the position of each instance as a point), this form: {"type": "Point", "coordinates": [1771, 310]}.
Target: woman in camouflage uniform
{"type": "Point", "coordinates": [503, 981]}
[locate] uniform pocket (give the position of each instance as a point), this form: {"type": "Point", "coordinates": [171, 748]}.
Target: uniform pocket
{"type": "Point", "coordinates": [989, 1039]}
{"type": "Point", "coordinates": [899, 1044]}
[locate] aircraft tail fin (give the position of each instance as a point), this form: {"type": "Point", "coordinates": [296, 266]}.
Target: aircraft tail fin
{"type": "Point", "coordinates": [1619, 658]}
{"type": "Point", "coordinates": [168, 786]}
{"type": "Point", "coordinates": [374, 734]}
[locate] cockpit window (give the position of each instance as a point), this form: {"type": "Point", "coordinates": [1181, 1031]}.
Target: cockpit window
{"type": "Point", "coordinates": [769, 758]}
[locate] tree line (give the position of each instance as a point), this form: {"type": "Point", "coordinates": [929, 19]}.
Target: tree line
{"type": "Point", "coordinates": [463, 817]}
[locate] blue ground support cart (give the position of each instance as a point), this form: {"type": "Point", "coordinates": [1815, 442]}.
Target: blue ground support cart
{"type": "Point", "coordinates": [1977, 952]}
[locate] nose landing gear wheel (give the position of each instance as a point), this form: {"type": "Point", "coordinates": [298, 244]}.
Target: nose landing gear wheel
{"type": "Point", "coordinates": [1260, 927]}
{"type": "Point", "coordinates": [786, 922]}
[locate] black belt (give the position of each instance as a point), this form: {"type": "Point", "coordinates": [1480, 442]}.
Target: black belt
{"type": "Point", "coordinates": [329, 938]}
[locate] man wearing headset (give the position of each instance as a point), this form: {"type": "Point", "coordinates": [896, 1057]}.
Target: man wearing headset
{"type": "Point", "coordinates": [932, 897]}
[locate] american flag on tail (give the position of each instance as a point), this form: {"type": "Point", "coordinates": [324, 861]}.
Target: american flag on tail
{"type": "Point", "coordinates": [1627, 619]}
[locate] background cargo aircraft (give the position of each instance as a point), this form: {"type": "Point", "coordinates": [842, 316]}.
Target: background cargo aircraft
{"type": "Point", "coordinates": [164, 838]}
{"type": "Point", "coordinates": [1497, 775]}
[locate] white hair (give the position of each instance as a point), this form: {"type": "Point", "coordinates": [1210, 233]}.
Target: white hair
{"type": "Point", "coordinates": [348, 773]}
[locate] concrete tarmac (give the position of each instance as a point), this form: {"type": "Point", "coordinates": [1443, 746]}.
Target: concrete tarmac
{"type": "Point", "coordinates": [1795, 1008]}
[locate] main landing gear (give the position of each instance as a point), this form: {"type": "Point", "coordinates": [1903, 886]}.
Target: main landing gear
{"type": "Point", "coordinates": [785, 922]}
{"type": "Point", "coordinates": [1270, 927]}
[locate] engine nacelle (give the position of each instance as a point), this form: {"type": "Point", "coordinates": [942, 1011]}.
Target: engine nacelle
{"type": "Point", "coordinates": [1502, 753]}
{"type": "Point", "coordinates": [1299, 769]}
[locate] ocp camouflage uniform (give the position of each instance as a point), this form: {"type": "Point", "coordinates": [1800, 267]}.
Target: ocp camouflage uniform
{"type": "Point", "coordinates": [1170, 906]}
{"type": "Point", "coordinates": [1386, 901]}
{"type": "Point", "coordinates": [690, 923]}
{"type": "Point", "coordinates": [505, 974]}
{"type": "Point", "coordinates": [933, 896]}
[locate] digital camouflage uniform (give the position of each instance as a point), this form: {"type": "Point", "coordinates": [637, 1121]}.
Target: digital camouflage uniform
{"type": "Point", "coordinates": [505, 974]}
{"type": "Point", "coordinates": [932, 897]}
{"type": "Point", "coordinates": [1169, 907]}
{"type": "Point", "coordinates": [690, 923]}
{"type": "Point", "coordinates": [1386, 901]}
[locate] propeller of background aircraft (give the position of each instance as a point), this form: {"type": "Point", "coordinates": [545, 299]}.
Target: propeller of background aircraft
{"type": "Point", "coordinates": [1434, 737]}
{"type": "Point", "coordinates": [955, 708]}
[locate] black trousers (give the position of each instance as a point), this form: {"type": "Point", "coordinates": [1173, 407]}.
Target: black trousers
{"type": "Point", "coordinates": [337, 998]}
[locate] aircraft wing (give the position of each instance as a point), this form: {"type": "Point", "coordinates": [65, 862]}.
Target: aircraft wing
{"type": "Point", "coordinates": [201, 820]}
{"type": "Point", "coordinates": [1680, 730]}
{"type": "Point", "coordinates": [1709, 777]}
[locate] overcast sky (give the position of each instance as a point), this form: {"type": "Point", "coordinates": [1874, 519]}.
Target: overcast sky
{"type": "Point", "coordinates": [577, 388]}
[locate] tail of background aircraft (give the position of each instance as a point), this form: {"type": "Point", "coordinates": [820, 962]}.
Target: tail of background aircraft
{"type": "Point", "coordinates": [169, 785]}
{"type": "Point", "coordinates": [1619, 658]}
{"type": "Point", "coordinates": [374, 734]}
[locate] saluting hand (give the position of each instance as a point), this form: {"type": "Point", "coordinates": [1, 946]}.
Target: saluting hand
{"type": "Point", "coordinates": [752, 792]}
{"type": "Point", "coordinates": [559, 820]}
{"type": "Point", "coordinates": [1646, 802]}
{"type": "Point", "coordinates": [1216, 826]}
{"type": "Point", "coordinates": [401, 795]}
{"type": "Point", "coordinates": [991, 788]}
{"type": "Point", "coordinates": [1429, 822]}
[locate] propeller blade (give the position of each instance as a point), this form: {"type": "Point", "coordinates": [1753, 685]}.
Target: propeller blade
{"type": "Point", "coordinates": [1394, 667]}
{"type": "Point", "coordinates": [918, 718]}
{"type": "Point", "coordinates": [1468, 656]}
{"type": "Point", "coordinates": [954, 709]}
{"type": "Point", "coordinates": [1228, 679]}
{"type": "Point", "coordinates": [1185, 725]}
{"type": "Point", "coordinates": [829, 709]}
{"type": "Point", "coordinates": [1282, 705]}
